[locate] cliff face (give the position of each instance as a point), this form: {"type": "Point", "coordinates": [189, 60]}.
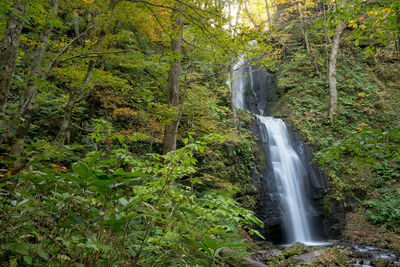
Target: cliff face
{"type": "Point", "coordinates": [261, 96]}
{"type": "Point", "coordinates": [327, 214]}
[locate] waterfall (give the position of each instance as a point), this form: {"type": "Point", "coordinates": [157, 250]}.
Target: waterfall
{"type": "Point", "coordinates": [289, 173]}
{"type": "Point", "coordinates": [289, 170]}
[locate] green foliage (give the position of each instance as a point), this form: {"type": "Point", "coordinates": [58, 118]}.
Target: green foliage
{"type": "Point", "coordinates": [386, 172]}
{"type": "Point", "coordinates": [385, 209]}
{"type": "Point", "coordinates": [360, 150]}
{"type": "Point", "coordinates": [379, 23]}
{"type": "Point", "coordinates": [213, 248]}
{"type": "Point", "coordinates": [366, 146]}
{"type": "Point", "coordinates": [103, 214]}
{"type": "Point", "coordinates": [334, 256]}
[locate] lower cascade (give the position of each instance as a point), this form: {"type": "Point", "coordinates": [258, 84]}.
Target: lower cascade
{"type": "Point", "coordinates": [289, 172]}
{"type": "Point", "coordinates": [287, 168]}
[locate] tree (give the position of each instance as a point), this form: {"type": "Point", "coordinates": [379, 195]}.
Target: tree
{"type": "Point", "coordinates": [28, 97]}
{"type": "Point", "coordinates": [342, 12]}
{"type": "Point", "coordinates": [378, 23]}
{"type": "Point", "coordinates": [332, 70]}
{"type": "Point", "coordinates": [268, 7]}
{"type": "Point", "coordinates": [8, 50]}
{"type": "Point", "coordinates": [205, 20]}
{"type": "Point", "coordinates": [171, 130]}
{"type": "Point", "coordinates": [73, 95]}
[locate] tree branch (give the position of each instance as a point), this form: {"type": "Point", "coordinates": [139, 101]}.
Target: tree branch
{"type": "Point", "coordinates": [92, 54]}
{"type": "Point", "coordinates": [54, 61]}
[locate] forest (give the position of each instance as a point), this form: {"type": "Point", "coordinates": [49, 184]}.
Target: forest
{"type": "Point", "coordinates": [131, 132]}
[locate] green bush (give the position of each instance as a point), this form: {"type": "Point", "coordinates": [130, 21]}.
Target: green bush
{"type": "Point", "coordinates": [97, 213]}
{"type": "Point", "coordinates": [385, 209]}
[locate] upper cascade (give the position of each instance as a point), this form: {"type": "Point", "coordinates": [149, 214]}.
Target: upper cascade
{"type": "Point", "coordinates": [250, 87]}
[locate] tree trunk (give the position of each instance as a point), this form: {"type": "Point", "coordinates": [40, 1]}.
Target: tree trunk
{"type": "Point", "coordinates": [238, 13]}
{"type": "Point", "coordinates": [250, 16]}
{"type": "Point", "coordinates": [8, 52]}
{"type": "Point", "coordinates": [73, 95]}
{"type": "Point", "coordinates": [268, 14]}
{"type": "Point", "coordinates": [332, 70]}
{"type": "Point", "coordinates": [28, 97]}
{"type": "Point", "coordinates": [77, 31]}
{"type": "Point", "coordinates": [171, 130]}
{"type": "Point", "coordinates": [304, 30]}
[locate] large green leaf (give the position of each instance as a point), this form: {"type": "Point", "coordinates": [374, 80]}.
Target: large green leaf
{"type": "Point", "coordinates": [209, 242]}
{"type": "Point", "coordinates": [81, 169]}
{"type": "Point", "coordinates": [198, 244]}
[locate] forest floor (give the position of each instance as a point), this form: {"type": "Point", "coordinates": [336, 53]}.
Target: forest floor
{"type": "Point", "coordinates": [360, 231]}
{"type": "Point", "coordinates": [362, 244]}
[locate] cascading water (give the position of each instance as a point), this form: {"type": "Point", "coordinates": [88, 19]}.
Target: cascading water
{"type": "Point", "coordinates": [250, 89]}
{"type": "Point", "coordinates": [289, 173]}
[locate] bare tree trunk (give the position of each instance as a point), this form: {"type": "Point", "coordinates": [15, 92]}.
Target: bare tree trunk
{"type": "Point", "coordinates": [268, 14]}
{"type": "Point", "coordinates": [332, 70]}
{"type": "Point", "coordinates": [238, 13]}
{"type": "Point", "coordinates": [250, 16]}
{"type": "Point", "coordinates": [8, 52]}
{"type": "Point", "coordinates": [304, 31]}
{"type": "Point", "coordinates": [28, 97]}
{"type": "Point", "coordinates": [234, 114]}
{"type": "Point", "coordinates": [73, 95]}
{"type": "Point", "coordinates": [171, 130]}
{"type": "Point", "coordinates": [327, 39]}
{"type": "Point", "coordinates": [76, 29]}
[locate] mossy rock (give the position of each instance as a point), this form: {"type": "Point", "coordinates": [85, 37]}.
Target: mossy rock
{"type": "Point", "coordinates": [379, 262]}
{"type": "Point", "coordinates": [334, 256]}
{"type": "Point", "coordinates": [295, 249]}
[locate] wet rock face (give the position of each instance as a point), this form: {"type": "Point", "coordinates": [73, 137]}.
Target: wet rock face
{"type": "Point", "coordinates": [327, 221]}
{"type": "Point", "coordinates": [268, 210]}
{"type": "Point", "coordinates": [259, 96]}
{"type": "Point", "coordinates": [328, 218]}
{"type": "Point", "coordinates": [334, 219]}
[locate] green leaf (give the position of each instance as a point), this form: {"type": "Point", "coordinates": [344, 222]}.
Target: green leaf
{"type": "Point", "coordinates": [76, 220]}
{"type": "Point", "coordinates": [209, 242]}
{"type": "Point", "coordinates": [217, 251]}
{"type": "Point", "coordinates": [198, 244]}
{"type": "Point", "coordinates": [72, 178]}
{"type": "Point", "coordinates": [81, 169]}
{"type": "Point", "coordinates": [252, 232]}
{"type": "Point", "coordinates": [117, 224]}
{"type": "Point", "coordinates": [42, 254]}
{"type": "Point", "coordinates": [123, 201]}
{"type": "Point", "coordinates": [28, 259]}
{"type": "Point", "coordinates": [57, 24]}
